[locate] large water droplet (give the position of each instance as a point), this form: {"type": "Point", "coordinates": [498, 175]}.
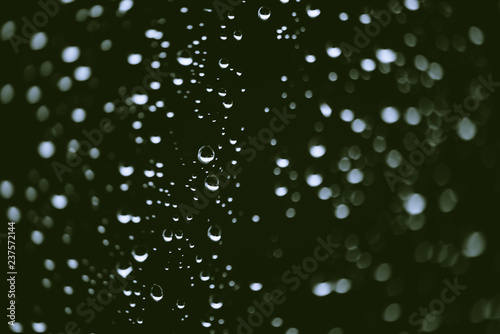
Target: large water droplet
{"type": "Point", "coordinates": [312, 12]}
{"type": "Point", "coordinates": [140, 253]}
{"type": "Point", "coordinates": [124, 269]}
{"type": "Point", "coordinates": [156, 292]}
{"type": "Point", "coordinates": [206, 154]}
{"type": "Point", "coordinates": [264, 13]}
{"type": "Point", "coordinates": [184, 57]}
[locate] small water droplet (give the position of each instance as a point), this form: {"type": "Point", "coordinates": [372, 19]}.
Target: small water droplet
{"type": "Point", "coordinates": [214, 233]}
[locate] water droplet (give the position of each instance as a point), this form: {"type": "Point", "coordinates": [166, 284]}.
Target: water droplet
{"type": "Point", "coordinates": [386, 56]}
{"type": "Point", "coordinates": [215, 302]}
{"type": "Point", "coordinates": [59, 201]}
{"type": "Point", "coordinates": [140, 99]}
{"type": "Point", "coordinates": [474, 245]}
{"type": "Point", "coordinates": [223, 63]}
{"type": "Point", "coordinates": [238, 35]}
{"type": "Point", "coordinates": [46, 149]}
{"type": "Point", "coordinates": [323, 289]}
{"type": "Point", "coordinates": [180, 303]}
{"type": "Point", "coordinates": [415, 204]}
{"type": "Point", "coordinates": [355, 176]}
{"type": "Point", "coordinates": [312, 12]}
{"type": "Point", "coordinates": [124, 269]}
{"type": "Point", "coordinates": [343, 286]}
{"type": "Point", "coordinates": [383, 272]}
{"type": "Point", "coordinates": [392, 312]}
{"type": "Point", "coordinates": [71, 54]}
{"type": "Point", "coordinates": [368, 65]}
{"type": "Point", "coordinates": [342, 211]}
{"type": "Point", "coordinates": [126, 170]}
{"type": "Point", "coordinates": [134, 59]}
{"type": "Point", "coordinates": [212, 182]}
{"type": "Point", "coordinates": [206, 154]}
{"type": "Point", "coordinates": [140, 253]}
{"type": "Point", "coordinates": [184, 57]}
{"type": "Point", "coordinates": [448, 200]}
{"type": "Point", "coordinates": [476, 35]}
{"type": "Point", "coordinates": [466, 129]}
{"type": "Point", "coordinates": [6, 189]}
{"type": "Point", "coordinates": [264, 13]}
{"type": "Point", "coordinates": [214, 233]}
{"type": "Point", "coordinates": [390, 115]}
{"type": "Point", "coordinates": [156, 292]}
{"type": "Point", "coordinates": [167, 235]}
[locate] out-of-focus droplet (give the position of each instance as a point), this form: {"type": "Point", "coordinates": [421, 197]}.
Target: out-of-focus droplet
{"type": "Point", "coordinates": [466, 129]}
{"type": "Point", "coordinates": [316, 148]}
{"type": "Point", "coordinates": [312, 12]}
{"type": "Point", "coordinates": [134, 59]}
{"type": "Point", "coordinates": [390, 115]}
{"type": "Point", "coordinates": [474, 245]}
{"type": "Point", "coordinates": [70, 54]}
{"type": "Point", "coordinates": [59, 201]}
{"type": "Point", "coordinates": [342, 211]}
{"type": "Point", "coordinates": [46, 149]}
{"type": "Point", "coordinates": [383, 272]}
{"type": "Point", "coordinates": [323, 289]}
{"type": "Point", "coordinates": [7, 94]}
{"type": "Point", "coordinates": [392, 312]}
{"type": "Point", "coordinates": [412, 4]}
{"type": "Point", "coordinates": [6, 189]}
{"type": "Point", "coordinates": [476, 35]}
{"type": "Point", "coordinates": [386, 56]}
{"type": "Point", "coordinates": [343, 286]}
{"type": "Point", "coordinates": [415, 204]}
{"type": "Point", "coordinates": [38, 41]}
{"type": "Point", "coordinates": [448, 200]}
